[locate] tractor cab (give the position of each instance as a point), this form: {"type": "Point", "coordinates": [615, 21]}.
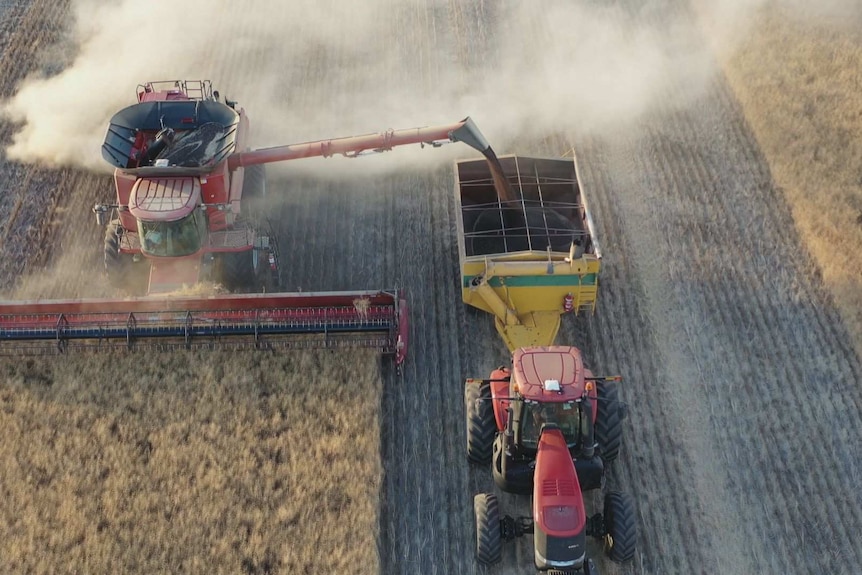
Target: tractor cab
{"type": "Point", "coordinates": [572, 418]}
{"type": "Point", "coordinates": [549, 386]}
{"type": "Point", "coordinates": [516, 448]}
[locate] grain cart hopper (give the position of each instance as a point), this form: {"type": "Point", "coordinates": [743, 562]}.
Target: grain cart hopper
{"type": "Point", "coordinates": [526, 246]}
{"type": "Point", "coordinates": [188, 209]}
{"type": "Point", "coordinates": [548, 427]}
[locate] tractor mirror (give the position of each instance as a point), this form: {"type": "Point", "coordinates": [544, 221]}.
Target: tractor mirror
{"type": "Point", "coordinates": [101, 214]}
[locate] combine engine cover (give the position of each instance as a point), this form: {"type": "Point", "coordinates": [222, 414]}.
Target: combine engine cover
{"type": "Point", "coordinates": [558, 507]}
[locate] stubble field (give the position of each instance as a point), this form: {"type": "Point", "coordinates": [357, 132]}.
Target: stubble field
{"type": "Point", "coordinates": [741, 449]}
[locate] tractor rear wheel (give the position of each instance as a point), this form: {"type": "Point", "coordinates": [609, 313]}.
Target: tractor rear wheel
{"type": "Point", "coordinates": [489, 546]}
{"type": "Point", "coordinates": [609, 421]}
{"type": "Point", "coordinates": [481, 426]}
{"type": "Point", "coordinates": [621, 534]}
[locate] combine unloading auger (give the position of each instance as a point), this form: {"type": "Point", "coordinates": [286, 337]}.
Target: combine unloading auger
{"type": "Point", "coordinates": [187, 200]}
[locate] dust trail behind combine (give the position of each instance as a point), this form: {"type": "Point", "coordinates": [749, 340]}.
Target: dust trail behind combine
{"type": "Point", "coordinates": [361, 72]}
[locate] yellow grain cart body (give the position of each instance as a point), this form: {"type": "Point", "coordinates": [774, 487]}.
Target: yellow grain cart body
{"type": "Point", "coordinates": [530, 259]}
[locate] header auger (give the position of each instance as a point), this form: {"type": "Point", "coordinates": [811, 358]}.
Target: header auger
{"type": "Point", "coordinates": [188, 209]}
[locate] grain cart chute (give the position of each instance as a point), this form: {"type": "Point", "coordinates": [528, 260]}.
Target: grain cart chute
{"type": "Point", "coordinates": [527, 249]}
{"type": "Point", "coordinates": [188, 209]}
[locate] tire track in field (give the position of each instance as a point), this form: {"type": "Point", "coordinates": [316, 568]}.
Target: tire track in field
{"type": "Point", "coordinates": [679, 181]}
{"type": "Point", "coordinates": [27, 193]}
{"type": "Point", "coordinates": [653, 462]}
{"type": "Point", "coordinates": [791, 345]}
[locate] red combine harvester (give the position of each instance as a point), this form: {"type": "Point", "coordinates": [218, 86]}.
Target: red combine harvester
{"type": "Point", "coordinates": [550, 428]}
{"type": "Point", "coordinates": [188, 210]}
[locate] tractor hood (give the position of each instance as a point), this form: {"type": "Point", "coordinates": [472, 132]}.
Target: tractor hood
{"type": "Point", "coordinates": [558, 506]}
{"type": "Point", "coordinates": [164, 199]}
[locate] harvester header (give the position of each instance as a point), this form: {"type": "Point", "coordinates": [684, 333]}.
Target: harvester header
{"type": "Point", "coordinates": [259, 321]}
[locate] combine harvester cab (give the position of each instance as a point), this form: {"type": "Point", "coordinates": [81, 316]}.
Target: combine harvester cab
{"type": "Point", "coordinates": [527, 248]}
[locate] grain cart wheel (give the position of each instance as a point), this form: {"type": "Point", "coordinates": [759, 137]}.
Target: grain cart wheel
{"type": "Point", "coordinates": [621, 530]}
{"type": "Point", "coordinates": [609, 421]}
{"type": "Point", "coordinates": [481, 426]}
{"type": "Point", "coordinates": [117, 265]}
{"type": "Point", "coordinates": [489, 546]}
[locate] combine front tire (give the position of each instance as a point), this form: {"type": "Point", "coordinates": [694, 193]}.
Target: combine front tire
{"type": "Point", "coordinates": [481, 426]}
{"type": "Point", "coordinates": [609, 421]}
{"type": "Point", "coordinates": [621, 529]}
{"type": "Point", "coordinates": [489, 546]}
{"type": "Point", "coordinates": [118, 266]}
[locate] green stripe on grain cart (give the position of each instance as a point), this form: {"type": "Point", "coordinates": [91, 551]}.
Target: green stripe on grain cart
{"type": "Point", "coordinates": [537, 281]}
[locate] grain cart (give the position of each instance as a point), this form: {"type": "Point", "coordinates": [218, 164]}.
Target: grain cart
{"type": "Point", "coordinates": [549, 427]}
{"type": "Point", "coordinates": [188, 209]}
{"type": "Point", "coordinates": [526, 245]}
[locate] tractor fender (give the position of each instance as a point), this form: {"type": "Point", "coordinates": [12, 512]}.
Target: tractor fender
{"type": "Point", "coordinates": [500, 391]}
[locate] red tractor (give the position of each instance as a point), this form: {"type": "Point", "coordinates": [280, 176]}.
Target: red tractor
{"type": "Point", "coordinates": [549, 427]}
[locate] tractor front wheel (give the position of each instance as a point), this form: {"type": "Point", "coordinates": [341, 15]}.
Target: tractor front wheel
{"type": "Point", "coordinates": [481, 426]}
{"type": "Point", "coordinates": [620, 527]}
{"type": "Point", "coordinates": [609, 421]}
{"type": "Point", "coordinates": [489, 546]}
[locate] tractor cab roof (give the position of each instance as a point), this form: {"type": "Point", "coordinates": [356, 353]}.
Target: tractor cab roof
{"type": "Point", "coordinates": [549, 374]}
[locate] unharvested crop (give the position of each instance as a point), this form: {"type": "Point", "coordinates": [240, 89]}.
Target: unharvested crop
{"type": "Point", "coordinates": [798, 83]}
{"type": "Point", "coordinates": [209, 462]}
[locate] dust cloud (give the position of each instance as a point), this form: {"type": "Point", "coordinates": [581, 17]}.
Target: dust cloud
{"type": "Point", "coordinates": [729, 21]}
{"type": "Point", "coordinates": [327, 68]}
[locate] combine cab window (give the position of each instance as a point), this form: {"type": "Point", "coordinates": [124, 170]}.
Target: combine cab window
{"type": "Point", "coordinates": [567, 416]}
{"type": "Point", "coordinates": [173, 239]}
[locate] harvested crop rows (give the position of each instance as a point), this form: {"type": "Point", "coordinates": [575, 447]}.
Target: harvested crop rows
{"type": "Point", "coordinates": [741, 448]}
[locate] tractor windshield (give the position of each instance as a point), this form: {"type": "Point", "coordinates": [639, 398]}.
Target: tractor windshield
{"type": "Point", "coordinates": [568, 416]}
{"type": "Point", "coordinates": [173, 239]}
